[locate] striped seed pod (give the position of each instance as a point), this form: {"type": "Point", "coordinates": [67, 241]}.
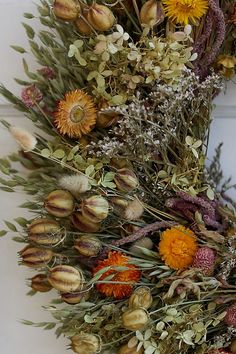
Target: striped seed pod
{"type": "Point", "coordinates": [83, 224]}
{"type": "Point", "coordinates": [35, 257]}
{"type": "Point", "coordinates": [95, 208]}
{"type": "Point", "coordinates": [65, 278]}
{"type": "Point", "coordinates": [126, 180]}
{"type": "Point", "coordinates": [75, 297]}
{"type": "Point", "coordinates": [88, 245]}
{"type": "Point", "coordinates": [44, 231]}
{"type": "Point", "coordinates": [59, 203]}
{"type": "Point", "coordinates": [40, 283]}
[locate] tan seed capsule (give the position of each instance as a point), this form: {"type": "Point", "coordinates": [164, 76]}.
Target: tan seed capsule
{"type": "Point", "coordinates": [59, 203]}
{"type": "Point", "coordinates": [100, 17]}
{"type": "Point", "coordinates": [35, 257]}
{"type": "Point", "coordinates": [66, 10]}
{"type": "Point", "coordinates": [95, 208]}
{"type": "Point", "coordinates": [119, 205]}
{"type": "Point", "coordinates": [75, 297]}
{"type": "Point", "coordinates": [152, 13]}
{"type": "Point", "coordinates": [82, 26]}
{"type": "Point", "coordinates": [134, 319]}
{"type": "Point", "coordinates": [141, 297]}
{"type": "Point", "coordinates": [126, 350]}
{"type": "Point", "coordinates": [83, 224]}
{"type": "Point", "coordinates": [126, 180]}
{"type": "Point", "coordinates": [88, 245]}
{"type": "Point", "coordinates": [66, 278]}
{"type": "Point", "coordinates": [40, 283]}
{"type": "Point", "coordinates": [44, 231]}
{"type": "Point", "coordinates": [85, 343]}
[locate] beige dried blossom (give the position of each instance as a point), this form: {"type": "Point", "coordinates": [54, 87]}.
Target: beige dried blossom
{"type": "Point", "coordinates": [26, 140]}
{"type": "Point", "coordinates": [134, 210]}
{"type": "Point", "coordinates": [76, 183]}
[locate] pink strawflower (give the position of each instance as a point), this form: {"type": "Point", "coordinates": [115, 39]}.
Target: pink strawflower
{"type": "Point", "coordinates": [47, 72]}
{"type": "Point", "coordinates": [31, 95]}
{"type": "Point", "coordinates": [205, 260]}
{"type": "Point", "coordinates": [230, 317]}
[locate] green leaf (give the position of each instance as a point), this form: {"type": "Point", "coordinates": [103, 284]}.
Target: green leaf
{"type": "Point", "coordinates": [50, 326]}
{"type": "Point", "coordinates": [29, 31]}
{"type": "Point", "coordinates": [3, 233]}
{"type": "Point", "coordinates": [89, 170]}
{"type": "Point", "coordinates": [21, 221]}
{"type": "Point", "coordinates": [59, 154]}
{"type": "Point", "coordinates": [7, 189]}
{"type": "Point", "coordinates": [10, 226]}
{"type": "Point", "coordinates": [28, 15]}
{"type": "Point", "coordinates": [46, 153]}
{"type": "Point", "coordinates": [18, 49]}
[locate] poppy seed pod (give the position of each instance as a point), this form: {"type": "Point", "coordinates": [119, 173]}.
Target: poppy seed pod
{"type": "Point", "coordinates": [66, 10]}
{"type": "Point", "coordinates": [75, 297]}
{"type": "Point", "coordinates": [65, 278]}
{"type": "Point", "coordinates": [126, 180]}
{"type": "Point", "coordinates": [95, 208]}
{"type": "Point", "coordinates": [59, 203]}
{"type": "Point", "coordinates": [44, 231]}
{"type": "Point", "coordinates": [100, 17]}
{"type": "Point", "coordinates": [88, 245]}
{"type": "Point", "coordinates": [126, 350]}
{"type": "Point", "coordinates": [141, 297]}
{"type": "Point", "coordinates": [82, 26]}
{"type": "Point", "coordinates": [83, 224]}
{"type": "Point", "coordinates": [134, 319]}
{"type": "Point", "coordinates": [85, 343]}
{"type": "Point", "coordinates": [35, 257]}
{"type": "Point", "coordinates": [152, 13]}
{"type": "Point", "coordinates": [40, 283]}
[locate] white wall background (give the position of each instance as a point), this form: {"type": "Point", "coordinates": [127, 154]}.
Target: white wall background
{"type": "Point", "coordinates": [15, 337]}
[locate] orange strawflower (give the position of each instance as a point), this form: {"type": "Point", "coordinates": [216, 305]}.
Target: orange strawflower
{"type": "Point", "coordinates": [131, 275]}
{"type": "Point", "coordinates": [177, 247]}
{"type": "Point", "coordinates": [76, 114]}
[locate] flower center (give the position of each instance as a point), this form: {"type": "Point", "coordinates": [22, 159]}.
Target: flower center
{"type": "Point", "coordinates": [186, 5]}
{"type": "Point", "coordinates": [77, 114]}
{"type": "Point", "coordinates": [179, 248]}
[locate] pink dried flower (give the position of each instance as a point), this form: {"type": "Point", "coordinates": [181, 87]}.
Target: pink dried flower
{"type": "Point", "coordinates": [230, 317]}
{"type": "Point", "coordinates": [205, 260]}
{"type": "Point", "coordinates": [47, 72]}
{"type": "Point", "coordinates": [31, 95]}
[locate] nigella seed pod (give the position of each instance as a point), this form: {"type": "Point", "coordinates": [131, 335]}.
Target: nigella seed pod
{"type": "Point", "coordinates": [59, 203]}
{"type": "Point", "coordinates": [126, 350]}
{"type": "Point", "coordinates": [40, 283]}
{"type": "Point", "coordinates": [126, 180]}
{"type": "Point", "coordinates": [100, 17]}
{"type": "Point", "coordinates": [152, 13]}
{"type": "Point", "coordinates": [83, 224]}
{"type": "Point", "coordinates": [134, 319]}
{"type": "Point", "coordinates": [66, 10]}
{"type": "Point", "coordinates": [44, 231]}
{"type": "Point", "coordinates": [65, 278]}
{"type": "Point", "coordinates": [88, 245]}
{"type": "Point", "coordinates": [35, 257]}
{"type": "Point", "coordinates": [141, 297]}
{"type": "Point", "coordinates": [75, 297]}
{"type": "Point", "coordinates": [82, 26]}
{"type": "Point", "coordinates": [95, 208]}
{"type": "Point", "coordinates": [85, 343]}
{"type": "Point", "coordinates": [119, 205]}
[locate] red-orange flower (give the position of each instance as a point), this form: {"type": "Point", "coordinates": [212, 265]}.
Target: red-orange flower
{"type": "Point", "coordinates": [116, 286]}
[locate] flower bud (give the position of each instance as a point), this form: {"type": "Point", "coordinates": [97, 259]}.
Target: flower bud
{"type": "Point", "coordinates": [66, 278]}
{"type": "Point", "coordinates": [67, 10]}
{"type": "Point", "coordinates": [126, 180]}
{"type": "Point", "coordinates": [40, 283]}
{"type": "Point", "coordinates": [88, 245]}
{"type": "Point", "coordinates": [101, 17]}
{"type": "Point", "coordinates": [126, 350]}
{"type": "Point", "coordinates": [152, 13]}
{"type": "Point", "coordinates": [85, 343]}
{"type": "Point", "coordinates": [44, 231]}
{"type": "Point", "coordinates": [83, 224]}
{"type": "Point", "coordinates": [95, 208]}
{"type": "Point", "coordinates": [134, 319]}
{"type": "Point", "coordinates": [141, 297]}
{"type": "Point", "coordinates": [59, 203]}
{"type": "Point", "coordinates": [82, 26]}
{"type": "Point", "coordinates": [75, 297]}
{"type": "Point", "coordinates": [35, 257]}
